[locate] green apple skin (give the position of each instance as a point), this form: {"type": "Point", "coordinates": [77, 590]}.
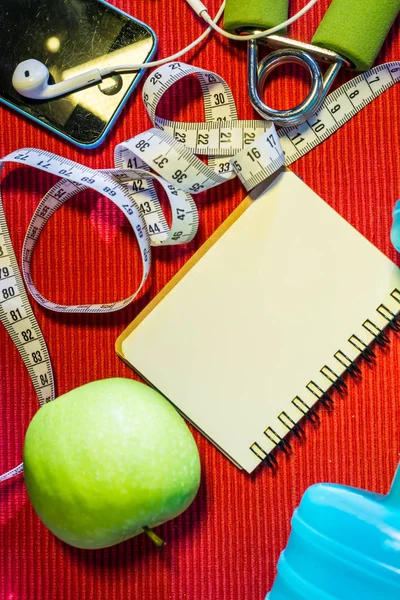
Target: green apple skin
{"type": "Point", "coordinates": [107, 459]}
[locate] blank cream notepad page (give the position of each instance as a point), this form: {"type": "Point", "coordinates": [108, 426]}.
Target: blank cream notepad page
{"type": "Point", "coordinates": [249, 327]}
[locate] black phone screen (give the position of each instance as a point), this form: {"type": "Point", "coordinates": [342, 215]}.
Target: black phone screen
{"type": "Point", "coordinates": [70, 37]}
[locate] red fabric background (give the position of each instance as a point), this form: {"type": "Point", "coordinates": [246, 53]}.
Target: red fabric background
{"type": "Point", "coordinates": [226, 545]}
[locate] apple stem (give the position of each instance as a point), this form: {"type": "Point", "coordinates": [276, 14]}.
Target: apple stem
{"type": "Point", "coordinates": [154, 537]}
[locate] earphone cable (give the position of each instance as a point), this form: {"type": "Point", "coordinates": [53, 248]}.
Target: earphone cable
{"type": "Point", "coordinates": [201, 10]}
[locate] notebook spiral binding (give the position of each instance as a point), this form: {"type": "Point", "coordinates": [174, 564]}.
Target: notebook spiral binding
{"type": "Point", "coordinates": [337, 382]}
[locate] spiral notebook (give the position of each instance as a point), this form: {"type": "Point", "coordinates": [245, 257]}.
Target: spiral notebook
{"type": "Point", "coordinates": [264, 319]}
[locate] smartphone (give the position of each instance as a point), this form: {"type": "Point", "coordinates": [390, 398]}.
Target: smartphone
{"type": "Point", "coordinates": [70, 37]}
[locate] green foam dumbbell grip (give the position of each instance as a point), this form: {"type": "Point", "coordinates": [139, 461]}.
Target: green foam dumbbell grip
{"type": "Point", "coordinates": [256, 14]}
{"type": "Point", "coordinates": [356, 29]}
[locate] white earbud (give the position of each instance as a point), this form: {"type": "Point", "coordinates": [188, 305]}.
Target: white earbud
{"type": "Point", "coordinates": [31, 79]}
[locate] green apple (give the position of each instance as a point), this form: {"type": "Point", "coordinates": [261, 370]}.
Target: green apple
{"type": "Point", "coordinates": [108, 460]}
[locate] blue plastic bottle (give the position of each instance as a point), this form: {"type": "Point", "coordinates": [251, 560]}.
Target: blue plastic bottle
{"type": "Point", "coordinates": [395, 231]}
{"type": "Point", "coordinates": [344, 545]}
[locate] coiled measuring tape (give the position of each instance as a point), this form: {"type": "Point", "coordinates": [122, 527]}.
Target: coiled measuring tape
{"type": "Point", "coordinates": [252, 150]}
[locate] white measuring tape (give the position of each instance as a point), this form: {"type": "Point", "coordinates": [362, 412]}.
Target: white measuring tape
{"type": "Point", "coordinates": [252, 150]}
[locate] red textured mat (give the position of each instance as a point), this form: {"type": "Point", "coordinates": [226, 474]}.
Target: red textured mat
{"type": "Point", "coordinates": [225, 547]}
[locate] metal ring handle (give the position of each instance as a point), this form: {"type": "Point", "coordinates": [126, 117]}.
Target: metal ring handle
{"type": "Point", "coordinates": [258, 73]}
